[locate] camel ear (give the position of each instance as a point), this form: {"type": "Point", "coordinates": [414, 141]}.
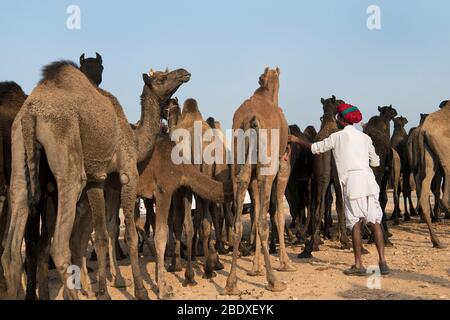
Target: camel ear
{"type": "Point", "coordinates": [147, 79]}
{"type": "Point", "coordinates": [379, 108]}
{"type": "Point", "coordinates": [81, 59]}
{"type": "Point", "coordinates": [322, 100]}
{"type": "Point", "coordinates": [266, 70]}
{"type": "Point", "coordinates": [321, 119]}
{"type": "Point", "coordinates": [333, 98]}
{"type": "Point", "coordinates": [390, 106]}
{"type": "Point", "coordinates": [167, 70]}
{"type": "Point", "coordinates": [176, 99]}
{"type": "Point", "coordinates": [99, 58]}
{"type": "Point", "coordinates": [278, 71]}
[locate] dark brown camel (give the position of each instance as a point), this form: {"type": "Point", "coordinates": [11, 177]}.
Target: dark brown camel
{"type": "Point", "coordinates": [378, 129]}
{"type": "Point", "coordinates": [399, 141]}
{"type": "Point", "coordinates": [325, 173]}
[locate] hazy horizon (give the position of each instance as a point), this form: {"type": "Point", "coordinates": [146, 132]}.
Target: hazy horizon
{"type": "Point", "coordinates": [322, 48]}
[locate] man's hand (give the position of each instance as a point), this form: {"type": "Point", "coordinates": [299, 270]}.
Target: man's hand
{"type": "Point", "coordinates": [302, 142]}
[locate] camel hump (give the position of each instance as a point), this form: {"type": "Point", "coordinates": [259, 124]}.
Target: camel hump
{"type": "Point", "coordinates": [9, 89]}
{"type": "Point", "coordinates": [52, 71]}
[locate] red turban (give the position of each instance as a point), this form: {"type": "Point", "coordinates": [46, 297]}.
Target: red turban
{"type": "Point", "coordinates": [349, 113]}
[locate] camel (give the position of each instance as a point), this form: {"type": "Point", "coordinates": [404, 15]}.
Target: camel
{"type": "Point", "coordinates": [261, 111]}
{"type": "Point", "coordinates": [190, 117]}
{"type": "Point", "coordinates": [12, 98]}
{"type": "Point", "coordinates": [325, 173]}
{"type": "Point", "coordinates": [399, 141]}
{"type": "Point", "coordinates": [378, 129]}
{"type": "Point", "coordinates": [83, 145]}
{"type": "Point", "coordinates": [298, 187]}
{"type": "Point", "coordinates": [434, 152]}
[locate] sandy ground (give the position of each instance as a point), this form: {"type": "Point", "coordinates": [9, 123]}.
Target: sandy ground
{"type": "Point", "coordinates": [417, 272]}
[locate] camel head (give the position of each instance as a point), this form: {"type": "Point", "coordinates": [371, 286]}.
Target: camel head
{"type": "Point", "coordinates": [270, 81]}
{"type": "Point", "coordinates": [92, 68]}
{"type": "Point", "coordinates": [400, 122]}
{"type": "Point", "coordinates": [423, 116]}
{"type": "Point", "coordinates": [387, 112]}
{"type": "Point", "coordinates": [330, 105]}
{"type": "Point", "coordinates": [310, 132]}
{"type": "Point", "coordinates": [211, 122]}
{"type": "Point", "coordinates": [163, 84]}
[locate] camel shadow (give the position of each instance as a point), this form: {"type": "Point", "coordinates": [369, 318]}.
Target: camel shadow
{"type": "Point", "coordinates": [420, 277]}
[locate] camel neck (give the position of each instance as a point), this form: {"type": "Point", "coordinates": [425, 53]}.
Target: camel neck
{"type": "Point", "coordinates": [269, 94]}
{"type": "Point", "coordinates": [148, 126]}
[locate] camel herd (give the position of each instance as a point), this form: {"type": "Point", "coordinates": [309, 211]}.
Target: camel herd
{"type": "Point", "coordinates": [70, 160]}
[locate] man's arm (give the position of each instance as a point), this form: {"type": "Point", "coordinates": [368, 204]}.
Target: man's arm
{"type": "Point", "coordinates": [316, 148]}
{"type": "Point", "coordinates": [374, 159]}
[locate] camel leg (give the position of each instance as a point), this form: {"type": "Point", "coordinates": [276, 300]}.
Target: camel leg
{"type": "Point", "coordinates": [112, 207]}
{"type": "Point", "coordinates": [280, 188]}
{"type": "Point", "coordinates": [229, 222]}
{"type": "Point", "coordinates": [428, 169]}
{"type": "Point", "coordinates": [189, 232]}
{"type": "Point", "coordinates": [265, 187]}
{"type": "Point", "coordinates": [211, 258]}
{"type": "Point", "coordinates": [254, 194]}
{"type": "Point", "coordinates": [31, 250]}
{"type": "Point", "coordinates": [240, 186]}
{"type": "Point", "coordinates": [163, 201]}
{"type": "Point", "coordinates": [436, 189]}
{"type": "Point", "coordinates": [95, 194]}
{"type": "Point", "coordinates": [345, 242]}
{"type": "Point", "coordinates": [127, 200]}
{"type": "Point", "coordinates": [177, 217]}
{"type": "Point", "coordinates": [47, 231]}
{"type": "Point", "coordinates": [217, 215]}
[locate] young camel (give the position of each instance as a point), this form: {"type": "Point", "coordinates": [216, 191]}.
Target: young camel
{"type": "Point", "coordinates": [434, 151]}
{"type": "Point", "coordinates": [399, 142]}
{"type": "Point", "coordinates": [325, 172]}
{"type": "Point", "coordinates": [261, 111]}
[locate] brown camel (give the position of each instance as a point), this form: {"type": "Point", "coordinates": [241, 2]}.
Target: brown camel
{"type": "Point", "coordinates": [399, 141]}
{"type": "Point", "coordinates": [160, 179]}
{"type": "Point", "coordinates": [83, 145]}
{"type": "Point", "coordinates": [378, 129]}
{"type": "Point", "coordinates": [434, 152]}
{"type": "Point", "coordinates": [325, 173]}
{"type": "Point", "coordinates": [261, 111]}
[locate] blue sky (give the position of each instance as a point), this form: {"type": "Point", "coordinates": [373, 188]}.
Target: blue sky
{"type": "Point", "coordinates": [322, 48]}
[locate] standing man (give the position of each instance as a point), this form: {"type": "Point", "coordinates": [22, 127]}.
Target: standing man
{"type": "Point", "coordinates": [354, 154]}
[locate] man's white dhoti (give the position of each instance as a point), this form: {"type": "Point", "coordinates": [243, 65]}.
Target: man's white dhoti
{"type": "Point", "coordinates": [367, 208]}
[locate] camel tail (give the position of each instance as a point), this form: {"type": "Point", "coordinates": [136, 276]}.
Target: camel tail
{"type": "Point", "coordinates": [31, 157]}
{"type": "Point", "coordinates": [204, 186]}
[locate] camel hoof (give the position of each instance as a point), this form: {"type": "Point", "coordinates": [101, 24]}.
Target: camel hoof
{"type": "Point", "coordinates": [121, 282]}
{"type": "Point", "coordinates": [396, 222]}
{"type": "Point", "coordinates": [287, 267]}
{"type": "Point", "coordinates": [221, 249]}
{"type": "Point", "coordinates": [245, 252]}
{"type": "Point", "coordinates": [304, 255]}
{"type": "Point", "coordinates": [407, 218]}
{"type": "Point", "coordinates": [189, 282]}
{"type": "Point", "coordinates": [103, 295]}
{"type": "Point", "coordinates": [166, 293]}
{"type": "Point", "coordinates": [230, 291]}
{"type": "Point", "coordinates": [439, 246]}
{"type": "Point", "coordinates": [219, 266]}
{"type": "Point", "coordinates": [255, 273]}
{"type": "Point", "coordinates": [277, 286]}
{"type": "Point", "coordinates": [209, 275]}
{"type": "Point", "coordinates": [175, 268]}
{"type": "Point", "coordinates": [388, 243]}
{"type": "Point", "coordinates": [141, 294]}
{"type": "Point", "coordinates": [389, 234]}
{"type": "Point", "coordinates": [364, 251]}
{"type": "Point", "coordinates": [346, 246]}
